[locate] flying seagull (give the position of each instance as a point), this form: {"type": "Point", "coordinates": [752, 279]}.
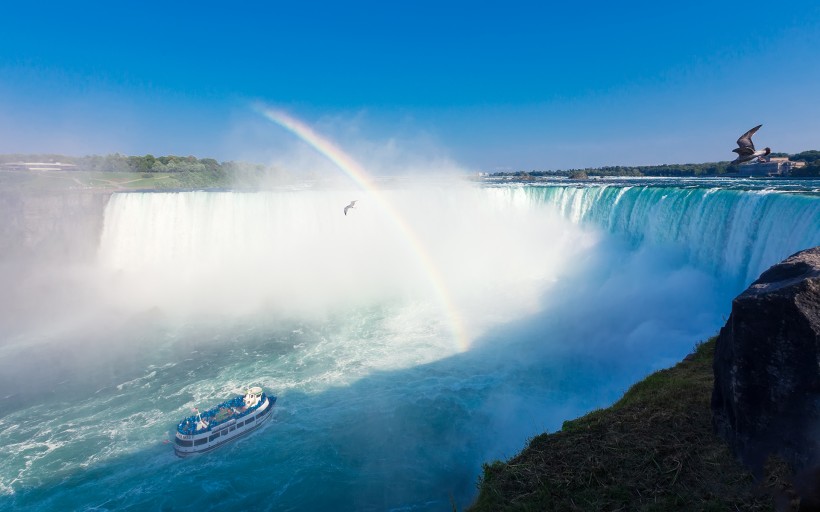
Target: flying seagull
{"type": "Point", "coordinates": [746, 149]}
{"type": "Point", "coordinates": [351, 205]}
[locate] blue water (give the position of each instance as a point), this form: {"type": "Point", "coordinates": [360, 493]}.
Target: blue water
{"type": "Point", "coordinates": [568, 293]}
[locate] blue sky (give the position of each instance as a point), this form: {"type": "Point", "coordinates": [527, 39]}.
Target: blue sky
{"type": "Point", "coordinates": [489, 86]}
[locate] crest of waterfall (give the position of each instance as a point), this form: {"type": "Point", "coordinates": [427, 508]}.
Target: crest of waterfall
{"type": "Point", "coordinates": [735, 233]}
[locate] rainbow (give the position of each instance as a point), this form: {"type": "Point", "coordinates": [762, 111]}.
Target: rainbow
{"type": "Point", "coordinates": [355, 171]}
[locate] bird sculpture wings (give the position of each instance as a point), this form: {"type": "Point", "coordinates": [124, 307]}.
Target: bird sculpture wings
{"type": "Point", "coordinates": [745, 144]}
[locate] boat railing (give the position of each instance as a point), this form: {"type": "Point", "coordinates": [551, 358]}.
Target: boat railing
{"type": "Point", "coordinates": [188, 426]}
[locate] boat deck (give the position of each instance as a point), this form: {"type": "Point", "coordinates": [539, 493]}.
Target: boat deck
{"type": "Point", "coordinates": [215, 416]}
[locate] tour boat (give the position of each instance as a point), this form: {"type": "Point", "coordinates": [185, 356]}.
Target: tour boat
{"type": "Point", "coordinates": [229, 420]}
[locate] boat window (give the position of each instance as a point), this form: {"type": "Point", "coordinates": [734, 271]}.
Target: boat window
{"type": "Point", "coordinates": [240, 423]}
{"type": "Point", "coordinates": [250, 420]}
{"type": "Point", "coordinates": [214, 436]}
{"type": "Point", "coordinates": [182, 442]}
{"type": "Point", "coordinates": [200, 441]}
{"type": "Point", "coordinates": [232, 428]}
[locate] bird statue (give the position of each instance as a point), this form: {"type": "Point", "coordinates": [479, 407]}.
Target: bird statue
{"type": "Point", "coordinates": [746, 149]}
{"type": "Point", "coordinates": [351, 205]}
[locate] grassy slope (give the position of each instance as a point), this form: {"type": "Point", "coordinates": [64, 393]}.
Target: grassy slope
{"type": "Point", "coordinates": [652, 450]}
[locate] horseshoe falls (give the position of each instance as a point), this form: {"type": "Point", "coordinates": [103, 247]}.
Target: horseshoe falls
{"type": "Point", "coordinates": [429, 330]}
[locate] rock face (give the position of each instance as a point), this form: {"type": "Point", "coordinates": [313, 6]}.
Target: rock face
{"type": "Point", "coordinates": [45, 239]}
{"type": "Point", "coordinates": [61, 227]}
{"type": "Point", "coordinates": [766, 397]}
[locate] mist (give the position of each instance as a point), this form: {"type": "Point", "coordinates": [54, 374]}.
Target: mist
{"type": "Point", "coordinates": [505, 273]}
{"type": "Point", "coordinates": [441, 257]}
{"type": "Point", "coordinates": [296, 255]}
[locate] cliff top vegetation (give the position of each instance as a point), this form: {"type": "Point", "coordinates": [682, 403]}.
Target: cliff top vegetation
{"type": "Point", "coordinates": [118, 172]}
{"type": "Point", "coordinates": [652, 450]}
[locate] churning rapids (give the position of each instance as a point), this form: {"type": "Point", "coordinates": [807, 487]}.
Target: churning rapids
{"type": "Point", "coordinates": [430, 330]}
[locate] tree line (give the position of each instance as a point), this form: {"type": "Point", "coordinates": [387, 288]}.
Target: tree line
{"type": "Point", "coordinates": [812, 168]}
{"type": "Point", "coordinates": [812, 159]}
{"type": "Point", "coordinates": [144, 164]}
{"type": "Point", "coordinates": [188, 171]}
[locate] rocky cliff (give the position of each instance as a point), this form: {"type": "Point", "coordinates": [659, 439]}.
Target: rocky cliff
{"type": "Point", "coordinates": [766, 397]}
{"type": "Point", "coordinates": [44, 237]}
{"type": "Point", "coordinates": [48, 227]}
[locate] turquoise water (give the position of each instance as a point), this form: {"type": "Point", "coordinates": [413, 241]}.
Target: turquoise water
{"type": "Point", "coordinates": [567, 294]}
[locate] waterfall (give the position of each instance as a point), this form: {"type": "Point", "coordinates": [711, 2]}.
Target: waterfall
{"type": "Point", "coordinates": [568, 295]}
{"type": "Point", "coordinates": [736, 233]}
{"type": "Point", "coordinates": [237, 250]}
{"type": "Point", "coordinates": [297, 253]}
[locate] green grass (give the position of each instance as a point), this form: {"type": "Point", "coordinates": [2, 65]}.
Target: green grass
{"type": "Point", "coordinates": [57, 181]}
{"type": "Point", "coordinates": [653, 450]}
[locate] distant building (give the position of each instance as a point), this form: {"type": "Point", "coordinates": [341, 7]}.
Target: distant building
{"type": "Point", "coordinates": [770, 166]}
{"type": "Point", "coordinates": [37, 166]}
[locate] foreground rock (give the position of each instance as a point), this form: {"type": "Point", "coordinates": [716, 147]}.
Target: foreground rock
{"type": "Point", "coordinates": [766, 397]}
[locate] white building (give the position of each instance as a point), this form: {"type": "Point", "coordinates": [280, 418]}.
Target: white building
{"type": "Point", "coordinates": [37, 166]}
{"type": "Point", "coordinates": [770, 166]}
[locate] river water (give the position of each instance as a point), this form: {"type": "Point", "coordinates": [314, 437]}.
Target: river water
{"type": "Point", "coordinates": [431, 330]}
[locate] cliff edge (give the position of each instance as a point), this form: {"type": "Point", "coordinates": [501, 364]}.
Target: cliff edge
{"type": "Point", "coordinates": [734, 426]}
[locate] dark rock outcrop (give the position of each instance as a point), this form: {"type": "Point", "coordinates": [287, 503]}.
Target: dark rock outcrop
{"type": "Point", "coordinates": [766, 397]}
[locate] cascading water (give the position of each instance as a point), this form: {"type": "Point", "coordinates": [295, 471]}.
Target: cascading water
{"type": "Point", "coordinates": [293, 254]}
{"type": "Point", "coordinates": [564, 296]}
{"type": "Point", "coordinates": [739, 233]}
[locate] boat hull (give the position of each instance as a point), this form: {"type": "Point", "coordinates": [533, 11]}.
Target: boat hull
{"type": "Point", "coordinates": [185, 445]}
